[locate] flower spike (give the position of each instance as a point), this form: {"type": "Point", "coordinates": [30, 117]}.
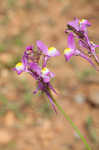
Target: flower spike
{"type": "Point", "coordinates": [31, 64]}
{"type": "Point", "coordinates": [79, 29]}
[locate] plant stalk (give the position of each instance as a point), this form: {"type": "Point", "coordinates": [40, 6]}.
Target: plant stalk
{"type": "Point", "coordinates": [72, 124]}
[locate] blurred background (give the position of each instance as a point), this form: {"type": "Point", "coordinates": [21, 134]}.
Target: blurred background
{"type": "Point", "coordinates": [27, 121]}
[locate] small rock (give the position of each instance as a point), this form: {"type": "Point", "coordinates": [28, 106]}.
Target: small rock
{"type": "Point", "coordinates": [80, 98]}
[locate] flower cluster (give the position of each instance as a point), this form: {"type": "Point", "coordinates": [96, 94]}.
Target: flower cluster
{"type": "Point", "coordinates": [78, 29]}
{"type": "Point", "coordinates": [34, 62]}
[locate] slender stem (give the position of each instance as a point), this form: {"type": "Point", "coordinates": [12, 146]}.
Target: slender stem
{"type": "Point", "coordinates": [72, 124]}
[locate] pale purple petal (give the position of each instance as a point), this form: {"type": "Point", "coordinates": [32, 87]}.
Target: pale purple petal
{"type": "Point", "coordinates": [29, 47]}
{"type": "Point", "coordinates": [41, 46]}
{"type": "Point", "coordinates": [52, 51]}
{"type": "Point", "coordinates": [71, 41]}
{"type": "Point", "coordinates": [68, 53]}
{"type": "Point", "coordinates": [96, 45]}
{"type": "Point", "coordinates": [74, 24]}
{"type": "Point", "coordinates": [52, 75]}
{"type": "Point", "coordinates": [17, 71]}
{"type": "Point", "coordinates": [46, 79]}
{"type": "Point", "coordinates": [45, 59]}
{"type": "Point", "coordinates": [84, 23]}
{"type": "Point", "coordinates": [46, 74]}
{"type": "Point", "coordinates": [35, 67]}
{"type": "Point", "coordinates": [68, 57]}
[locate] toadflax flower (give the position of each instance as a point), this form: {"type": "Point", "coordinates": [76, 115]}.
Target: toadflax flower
{"type": "Point", "coordinates": [47, 52]}
{"type": "Point", "coordinates": [78, 29]}
{"type": "Point", "coordinates": [21, 66]}
{"type": "Point", "coordinates": [33, 64]}
{"type": "Point", "coordinates": [50, 52]}
{"type": "Point", "coordinates": [46, 74]}
{"type": "Point", "coordinates": [72, 51]}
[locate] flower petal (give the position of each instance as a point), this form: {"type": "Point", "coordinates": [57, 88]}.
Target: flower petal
{"type": "Point", "coordinates": [84, 23]}
{"type": "Point", "coordinates": [29, 47]}
{"type": "Point", "coordinates": [35, 67]}
{"type": "Point", "coordinates": [45, 59]}
{"type": "Point", "coordinates": [96, 45]}
{"type": "Point", "coordinates": [46, 74]}
{"type": "Point", "coordinates": [71, 41]}
{"type": "Point", "coordinates": [19, 68]}
{"type": "Point", "coordinates": [68, 53]}
{"type": "Point", "coordinates": [52, 51]}
{"type": "Point", "coordinates": [42, 47]}
{"type": "Point", "coordinates": [74, 24]}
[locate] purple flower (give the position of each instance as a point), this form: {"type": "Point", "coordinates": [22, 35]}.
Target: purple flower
{"type": "Point", "coordinates": [74, 24]}
{"type": "Point", "coordinates": [21, 66]}
{"type": "Point", "coordinates": [42, 47]}
{"type": "Point", "coordinates": [50, 52]}
{"type": "Point", "coordinates": [72, 51]}
{"type": "Point", "coordinates": [31, 64]}
{"type": "Point", "coordinates": [46, 74]}
{"type": "Point", "coordinates": [84, 23]}
{"type": "Point", "coordinates": [34, 70]}
{"type": "Point", "coordinates": [29, 48]}
{"type": "Point", "coordinates": [47, 52]}
{"type": "Point", "coordinates": [29, 51]}
{"type": "Point", "coordinates": [79, 27]}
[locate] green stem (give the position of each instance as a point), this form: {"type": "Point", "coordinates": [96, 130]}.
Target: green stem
{"type": "Point", "coordinates": [72, 124]}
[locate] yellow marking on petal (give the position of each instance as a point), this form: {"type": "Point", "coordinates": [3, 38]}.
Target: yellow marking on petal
{"type": "Point", "coordinates": [52, 49]}
{"type": "Point", "coordinates": [67, 50]}
{"type": "Point", "coordinates": [19, 64]}
{"type": "Point", "coordinates": [91, 42]}
{"type": "Point", "coordinates": [44, 70]}
{"type": "Point", "coordinates": [82, 21]}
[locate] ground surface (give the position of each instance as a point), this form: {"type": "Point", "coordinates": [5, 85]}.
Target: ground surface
{"type": "Point", "coordinates": [27, 122]}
